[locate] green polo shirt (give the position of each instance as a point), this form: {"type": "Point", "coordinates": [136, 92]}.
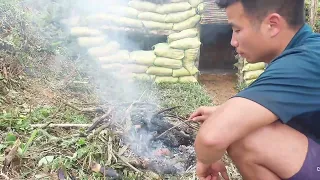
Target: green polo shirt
{"type": "Point", "coordinates": [290, 85]}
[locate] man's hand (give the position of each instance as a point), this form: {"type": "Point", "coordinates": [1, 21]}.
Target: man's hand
{"type": "Point", "coordinates": [202, 113]}
{"type": "Point", "coordinates": [211, 172]}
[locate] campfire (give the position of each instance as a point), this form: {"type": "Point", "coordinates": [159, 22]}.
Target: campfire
{"type": "Point", "coordinates": [158, 141]}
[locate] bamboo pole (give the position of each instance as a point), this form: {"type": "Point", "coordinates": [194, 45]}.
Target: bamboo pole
{"type": "Point", "coordinates": [313, 12]}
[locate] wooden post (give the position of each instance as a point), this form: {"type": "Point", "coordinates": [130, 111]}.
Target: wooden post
{"type": "Point", "coordinates": [313, 12]}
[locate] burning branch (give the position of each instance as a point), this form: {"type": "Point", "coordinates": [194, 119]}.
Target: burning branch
{"type": "Point", "coordinates": [173, 128]}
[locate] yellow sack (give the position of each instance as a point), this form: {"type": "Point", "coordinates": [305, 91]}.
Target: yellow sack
{"type": "Point", "coordinates": [143, 57]}
{"type": "Point", "coordinates": [157, 25]}
{"type": "Point", "coordinates": [250, 81]}
{"type": "Point", "coordinates": [252, 74]}
{"type": "Point", "coordinates": [188, 79]}
{"type": "Point", "coordinates": [106, 50]}
{"type": "Point", "coordinates": [188, 33]}
{"type": "Point", "coordinates": [143, 6]}
{"type": "Point", "coordinates": [91, 41]}
{"type": "Point", "coordinates": [187, 43]}
{"type": "Point", "coordinates": [191, 68]}
{"type": "Point", "coordinates": [254, 66]}
{"type": "Point", "coordinates": [187, 24]}
{"type": "Point", "coordinates": [191, 55]}
{"type": "Point", "coordinates": [159, 80]}
{"type": "Point", "coordinates": [163, 50]}
{"type": "Point", "coordinates": [150, 16]}
{"type": "Point", "coordinates": [121, 56]}
{"type": "Point", "coordinates": [134, 68]}
{"type": "Point", "coordinates": [200, 8]}
{"type": "Point", "coordinates": [195, 3]}
{"type": "Point", "coordinates": [173, 7]}
{"type": "Point", "coordinates": [180, 72]}
{"type": "Point", "coordinates": [84, 31]}
{"type": "Point", "coordinates": [159, 71]}
{"type": "Point", "coordinates": [168, 63]}
{"type": "Point", "coordinates": [142, 77]}
{"type": "Point", "coordinates": [180, 16]}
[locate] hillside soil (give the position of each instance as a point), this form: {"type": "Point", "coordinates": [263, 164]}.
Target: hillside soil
{"type": "Point", "coordinates": [220, 87]}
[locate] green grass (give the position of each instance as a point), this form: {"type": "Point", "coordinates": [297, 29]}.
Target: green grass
{"type": "Point", "coordinates": [188, 96]}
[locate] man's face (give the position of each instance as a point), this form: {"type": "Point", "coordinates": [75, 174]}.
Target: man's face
{"type": "Point", "coordinates": [251, 39]}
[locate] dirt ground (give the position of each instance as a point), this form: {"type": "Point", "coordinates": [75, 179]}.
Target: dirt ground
{"type": "Point", "coordinates": [220, 86]}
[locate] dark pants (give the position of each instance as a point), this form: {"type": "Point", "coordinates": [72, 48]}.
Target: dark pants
{"type": "Point", "coordinates": [311, 167]}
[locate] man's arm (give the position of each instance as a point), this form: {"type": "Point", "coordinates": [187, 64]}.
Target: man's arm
{"type": "Point", "coordinates": [232, 121]}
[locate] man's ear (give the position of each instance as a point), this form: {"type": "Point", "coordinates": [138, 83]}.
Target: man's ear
{"type": "Point", "coordinates": [274, 24]}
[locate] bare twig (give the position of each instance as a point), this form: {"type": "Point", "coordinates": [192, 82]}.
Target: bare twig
{"type": "Point", "coordinates": [164, 110]}
{"type": "Point", "coordinates": [4, 176]}
{"type": "Point", "coordinates": [12, 154]}
{"type": "Point", "coordinates": [98, 121]}
{"type": "Point", "coordinates": [126, 162]}
{"type": "Point", "coordinates": [127, 118]}
{"type": "Point", "coordinates": [61, 125]}
{"type": "Point", "coordinates": [173, 128]}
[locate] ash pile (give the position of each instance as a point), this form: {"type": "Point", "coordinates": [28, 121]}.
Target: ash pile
{"type": "Point", "coordinates": [153, 140]}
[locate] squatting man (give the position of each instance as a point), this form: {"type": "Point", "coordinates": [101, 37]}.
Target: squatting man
{"type": "Point", "coordinates": [270, 130]}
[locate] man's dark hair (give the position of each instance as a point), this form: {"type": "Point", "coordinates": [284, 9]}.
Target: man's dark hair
{"type": "Point", "coordinates": [292, 10]}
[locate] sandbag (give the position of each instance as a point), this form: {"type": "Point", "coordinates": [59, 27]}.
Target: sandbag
{"type": "Point", "coordinates": [143, 57]}
{"type": "Point", "coordinates": [187, 24]}
{"type": "Point", "coordinates": [143, 6]}
{"type": "Point", "coordinates": [157, 25]}
{"type": "Point", "coordinates": [195, 3]}
{"type": "Point", "coordinates": [159, 71]}
{"type": "Point", "coordinates": [142, 76]}
{"type": "Point", "coordinates": [106, 50]}
{"type": "Point", "coordinates": [91, 41]}
{"type": "Point", "coordinates": [180, 72]}
{"type": "Point", "coordinates": [84, 31]}
{"type": "Point", "coordinates": [254, 66]}
{"type": "Point", "coordinates": [160, 79]}
{"type": "Point", "coordinates": [188, 79]}
{"type": "Point", "coordinates": [200, 8]}
{"type": "Point", "coordinates": [168, 63]}
{"type": "Point", "coordinates": [191, 68]}
{"type": "Point", "coordinates": [163, 50]}
{"type": "Point", "coordinates": [123, 11]}
{"type": "Point", "coordinates": [150, 16]}
{"type": "Point", "coordinates": [173, 7]}
{"type": "Point", "coordinates": [252, 74]}
{"type": "Point", "coordinates": [249, 82]}
{"type": "Point", "coordinates": [187, 43]}
{"type": "Point", "coordinates": [135, 68]}
{"type": "Point", "coordinates": [191, 55]}
{"type": "Point", "coordinates": [119, 57]}
{"type": "Point", "coordinates": [128, 22]}
{"type": "Point", "coordinates": [180, 16]}
{"type": "Point", "coordinates": [188, 33]}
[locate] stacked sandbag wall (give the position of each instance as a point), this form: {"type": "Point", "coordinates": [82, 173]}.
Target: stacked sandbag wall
{"type": "Point", "coordinates": [171, 61]}
{"type": "Point", "coordinates": [249, 72]}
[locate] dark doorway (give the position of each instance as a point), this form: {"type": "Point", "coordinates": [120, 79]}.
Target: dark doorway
{"type": "Point", "coordinates": [217, 55]}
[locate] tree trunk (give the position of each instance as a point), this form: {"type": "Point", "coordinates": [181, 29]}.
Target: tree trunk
{"type": "Point", "coordinates": [313, 12]}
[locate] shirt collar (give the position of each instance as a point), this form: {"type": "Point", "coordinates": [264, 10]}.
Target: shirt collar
{"type": "Point", "coordinates": [301, 35]}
